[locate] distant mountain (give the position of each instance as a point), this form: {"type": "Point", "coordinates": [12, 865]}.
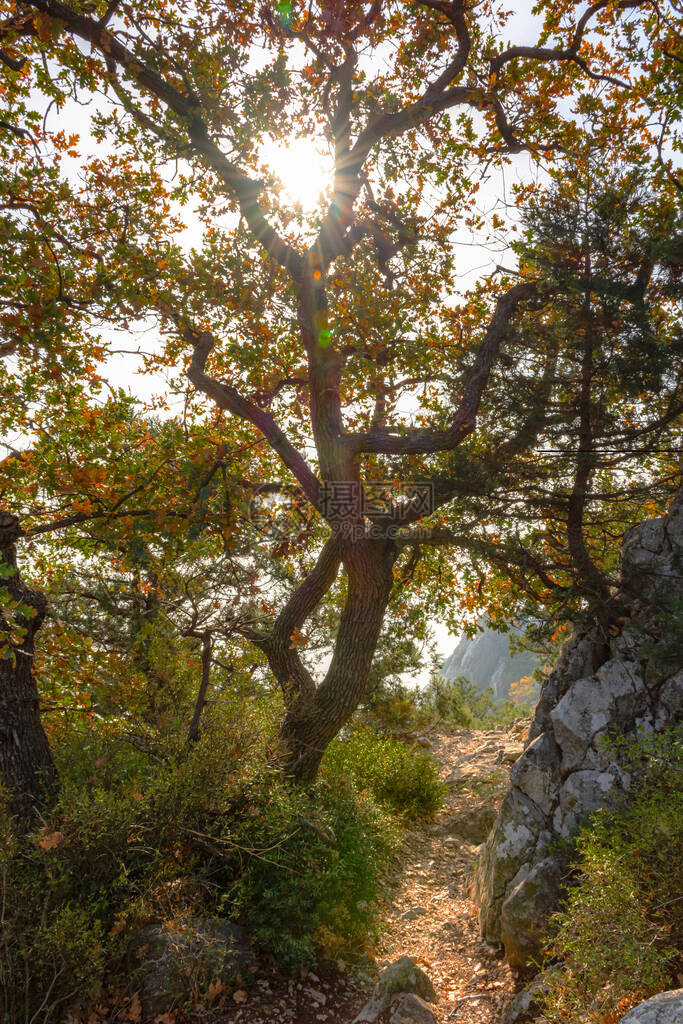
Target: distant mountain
{"type": "Point", "coordinates": [486, 661]}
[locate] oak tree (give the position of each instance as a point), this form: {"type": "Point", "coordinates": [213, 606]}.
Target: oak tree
{"type": "Point", "coordinates": [335, 336]}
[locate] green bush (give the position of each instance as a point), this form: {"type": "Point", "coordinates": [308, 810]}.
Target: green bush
{"type": "Point", "coordinates": [212, 831]}
{"type": "Point", "coordinates": [459, 703]}
{"type": "Point", "coordinates": [315, 873]}
{"type": "Point", "coordinates": [448, 703]}
{"type": "Point", "coordinates": [397, 775]}
{"type": "Point", "coordinates": [618, 934]}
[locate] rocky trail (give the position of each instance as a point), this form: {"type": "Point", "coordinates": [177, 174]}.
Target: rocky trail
{"type": "Point", "coordinates": [430, 919]}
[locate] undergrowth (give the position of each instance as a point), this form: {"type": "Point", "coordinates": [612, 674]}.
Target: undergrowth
{"type": "Point", "coordinates": [398, 777]}
{"type": "Point", "coordinates": [152, 834]}
{"type": "Point", "coordinates": [619, 936]}
{"type": "Point", "coordinates": [446, 703]}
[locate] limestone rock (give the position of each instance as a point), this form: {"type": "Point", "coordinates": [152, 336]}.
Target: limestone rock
{"type": "Point", "coordinates": [403, 977]}
{"type": "Point", "coordinates": [566, 771]}
{"type": "Point", "coordinates": [666, 1008]}
{"type": "Point", "coordinates": [526, 909]}
{"type": "Point", "coordinates": [408, 1008]}
{"type": "Point", "coordinates": [614, 693]}
{"type": "Point", "coordinates": [537, 774]}
{"type": "Point", "coordinates": [582, 793]}
{"type": "Point", "coordinates": [473, 824]}
{"type": "Point", "coordinates": [509, 847]}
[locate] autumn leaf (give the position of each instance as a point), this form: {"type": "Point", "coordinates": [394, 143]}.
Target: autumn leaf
{"type": "Point", "coordinates": [50, 841]}
{"type": "Point", "coordinates": [134, 1011]}
{"type": "Point", "coordinates": [215, 988]}
{"type": "Point", "coordinates": [297, 639]}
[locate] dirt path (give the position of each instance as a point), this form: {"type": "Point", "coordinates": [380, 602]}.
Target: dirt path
{"type": "Point", "coordinates": [431, 917]}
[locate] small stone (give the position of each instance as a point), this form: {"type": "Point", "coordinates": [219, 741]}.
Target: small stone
{"type": "Point", "coordinates": [317, 997]}
{"type": "Point", "coordinates": [407, 1008]}
{"type": "Point", "coordinates": [412, 913]}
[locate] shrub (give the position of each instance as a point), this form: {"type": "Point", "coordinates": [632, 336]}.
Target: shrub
{"type": "Point", "coordinates": [397, 775]}
{"type": "Point", "coordinates": [450, 703]}
{"type": "Point", "coordinates": [458, 703]}
{"type": "Point", "coordinates": [314, 875]}
{"type": "Point", "coordinates": [169, 834]}
{"type": "Point", "coordinates": [619, 930]}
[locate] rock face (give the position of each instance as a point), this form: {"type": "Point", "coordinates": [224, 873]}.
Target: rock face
{"type": "Point", "coordinates": [666, 1008]}
{"type": "Point", "coordinates": [565, 772]}
{"type": "Point", "coordinates": [486, 661]}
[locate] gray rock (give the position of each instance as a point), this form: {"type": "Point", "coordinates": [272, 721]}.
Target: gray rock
{"type": "Point", "coordinates": [531, 901]}
{"type": "Point", "coordinates": [537, 773]}
{"type": "Point", "coordinates": [487, 662]}
{"type": "Point", "coordinates": [581, 794]}
{"type": "Point", "coordinates": [408, 1008]}
{"type": "Point", "coordinates": [510, 846]}
{"type": "Point", "coordinates": [473, 824]}
{"type": "Point", "coordinates": [671, 695]}
{"type": "Point", "coordinates": [412, 913]}
{"type": "Point", "coordinates": [527, 1004]}
{"type": "Point", "coordinates": [401, 977]}
{"type": "Point", "coordinates": [592, 704]}
{"type": "Point", "coordinates": [405, 976]}
{"type": "Point", "coordinates": [666, 1008]}
{"type": "Point", "coordinates": [166, 959]}
{"type": "Point", "coordinates": [566, 771]}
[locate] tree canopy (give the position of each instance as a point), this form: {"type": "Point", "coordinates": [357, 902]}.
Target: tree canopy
{"type": "Point", "coordinates": [329, 353]}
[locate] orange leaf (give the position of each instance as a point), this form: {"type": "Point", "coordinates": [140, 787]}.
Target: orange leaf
{"type": "Point", "coordinates": [50, 841]}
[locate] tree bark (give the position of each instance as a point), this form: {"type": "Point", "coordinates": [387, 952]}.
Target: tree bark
{"type": "Point", "coordinates": [26, 765]}
{"type": "Point", "coordinates": [313, 721]}
{"type": "Point", "coordinates": [193, 731]}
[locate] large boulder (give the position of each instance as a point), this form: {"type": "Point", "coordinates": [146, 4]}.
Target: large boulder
{"type": "Point", "coordinates": [666, 1008]}
{"type": "Point", "coordinates": [567, 770]}
{"type": "Point", "coordinates": [408, 1008]}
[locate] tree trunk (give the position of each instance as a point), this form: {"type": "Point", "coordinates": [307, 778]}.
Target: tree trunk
{"type": "Point", "coordinates": [26, 765]}
{"type": "Point", "coordinates": [313, 721]}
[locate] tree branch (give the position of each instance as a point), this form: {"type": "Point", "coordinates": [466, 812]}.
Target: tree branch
{"type": "Point", "coordinates": [227, 397]}
{"type": "Point", "coordinates": [427, 442]}
{"type": "Point", "coordinates": [188, 110]}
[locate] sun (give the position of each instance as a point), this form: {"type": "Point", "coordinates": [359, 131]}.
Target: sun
{"type": "Point", "coordinates": [304, 167]}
